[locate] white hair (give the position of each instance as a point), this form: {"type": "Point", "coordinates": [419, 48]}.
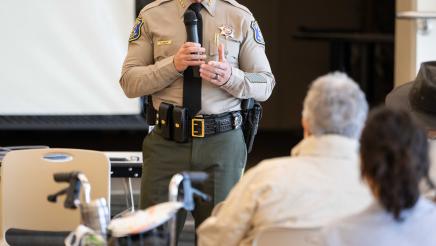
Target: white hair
{"type": "Point", "coordinates": [335, 104]}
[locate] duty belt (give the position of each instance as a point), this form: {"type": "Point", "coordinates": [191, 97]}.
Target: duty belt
{"type": "Point", "coordinates": [175, 124]}
{"type": "Point", "coordinates": [206, 125]}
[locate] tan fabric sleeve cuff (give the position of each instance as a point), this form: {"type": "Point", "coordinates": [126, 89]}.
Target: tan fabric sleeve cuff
{"type": "Point", "coordinates": [168, 70]}
{"type": "Point", "coordinates": [235, 80]}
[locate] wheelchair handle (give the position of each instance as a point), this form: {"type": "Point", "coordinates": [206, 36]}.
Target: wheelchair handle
{"type": "Point", "coordinates": [65, 177]}
{"type": "Point", "coordinates": [195, 177]}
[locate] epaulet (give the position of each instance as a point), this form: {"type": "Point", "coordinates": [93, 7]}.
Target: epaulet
{"type": "Point", "coordinates": [238, 5]}
{"type": "Point", "coordinates": [153, 4]}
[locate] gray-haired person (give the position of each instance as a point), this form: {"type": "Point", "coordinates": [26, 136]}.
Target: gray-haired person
{"type": "Point", "coordinates": [318, 183]}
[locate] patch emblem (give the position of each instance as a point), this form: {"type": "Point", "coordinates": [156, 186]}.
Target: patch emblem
{"type": "Point", "coordinates": [255, 78]}
{"type": "Point", "coordinates": [136, 31]}
{"type": "Point", "coordinates": [226, 31]}
{"type": "Point", "coordinates": [258, 37]}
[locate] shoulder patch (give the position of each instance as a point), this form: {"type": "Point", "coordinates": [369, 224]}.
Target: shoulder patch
{"type": "Point", "coordinates": [258, 37]}
{"type": "Point", "coordinates": [238, 5]}
{"type": "Point", "coordinates": [136, 31]}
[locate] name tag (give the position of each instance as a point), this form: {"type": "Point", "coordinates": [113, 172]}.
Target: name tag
{"type": "Point", "coordinates": [164, 42]}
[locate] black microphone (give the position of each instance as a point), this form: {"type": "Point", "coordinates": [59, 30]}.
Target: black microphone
{"type": "Point", "coordinates": [190, 19]}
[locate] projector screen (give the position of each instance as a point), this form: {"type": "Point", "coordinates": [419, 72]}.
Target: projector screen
{"type": "Point", "coordinates": [60, 57]}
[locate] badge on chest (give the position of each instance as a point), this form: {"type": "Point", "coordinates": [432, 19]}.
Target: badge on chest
{"type": "Point", "coordinates": [226, 31]}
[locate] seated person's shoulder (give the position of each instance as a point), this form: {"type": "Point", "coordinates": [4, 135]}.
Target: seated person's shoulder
{"type": "Point", "coordinates": [273, 167]}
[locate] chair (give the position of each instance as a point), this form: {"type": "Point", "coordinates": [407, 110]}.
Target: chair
{"type": "Point", "coordinates": [281, 236]}
{"type": "Point", "coordinates": [27, 179]}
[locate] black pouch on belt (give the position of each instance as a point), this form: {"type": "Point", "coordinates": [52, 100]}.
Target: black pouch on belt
{"type": "Point", "coordinates": [180, 124]}
{"type": "Point", "coordinates": [251, 111]}
{"type": "Point", "coordinates": [165, 120]}
{"type": "Point", "coordinates": [148, 110]}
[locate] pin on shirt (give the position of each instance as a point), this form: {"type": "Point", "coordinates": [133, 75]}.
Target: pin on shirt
{"type": "Point", "coordinates": [182, 3]}
{"type": "Point", "coordinates": [226, 31]}
{"type": "Point", "coordinates": [214, 47]}
{"type": "Point", "coordinates": [164, 42]}
{"type": "Point", "coordinates": [217, 39]}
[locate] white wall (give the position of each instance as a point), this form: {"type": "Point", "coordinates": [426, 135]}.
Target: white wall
{"type": "Point", "coordinates": [413, 47]}
{"type": "Point", "coordinates": [426, 43]}
{"type": "Point", "coordinates": [64, 57]}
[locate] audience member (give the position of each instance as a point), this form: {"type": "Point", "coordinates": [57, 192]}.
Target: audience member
{"type": "Point", "coordinates": [419, 98]}
{"type": "Point", "coordinates": [318, 183]}
{"type": "Point", "coordinates": [394, 158]}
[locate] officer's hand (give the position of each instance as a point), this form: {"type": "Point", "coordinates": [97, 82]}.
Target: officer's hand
{"type": "Point", "coordinates": [189, 54]}
{"type": "Point", "coordinates": [217, 72]}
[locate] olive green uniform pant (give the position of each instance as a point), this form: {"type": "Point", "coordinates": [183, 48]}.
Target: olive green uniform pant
{"type": "Point", "coordinates": [222, 156]}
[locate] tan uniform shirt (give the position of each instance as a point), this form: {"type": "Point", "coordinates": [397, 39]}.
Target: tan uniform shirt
{"type": "Point", "coordinates": [319, 183]}
{"type": "Point", "coordinates": [160, 31]}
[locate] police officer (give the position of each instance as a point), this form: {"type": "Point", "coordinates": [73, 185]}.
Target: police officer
{"type": "Point", "coordinates": [232, 66]}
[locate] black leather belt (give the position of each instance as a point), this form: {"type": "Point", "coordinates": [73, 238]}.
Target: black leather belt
{"type": "Point", "coordinates": [206, 125]}
{"type": "Point", "coordinates": [175, 124]}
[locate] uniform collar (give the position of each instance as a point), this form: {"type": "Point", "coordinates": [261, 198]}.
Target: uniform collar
{"type": "Point", "coordinates": [209, 5]}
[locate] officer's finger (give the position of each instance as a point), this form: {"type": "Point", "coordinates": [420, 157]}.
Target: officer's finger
{"type": "Point", "coordinates": [216, 69]}
{"type": "Point", "coordinates": [206, 74]}
{"type": "Point", "coordinates": [191, 44]}
{"type": "Point", "coordinates": [194, 49]}
{"type": "Point", "coordinates": [208, 68]}
{"type": "Point", "coordinates": [220, 65]}
{"type": "Point", "coordinates": [196, 57]}
{"type": "Point", "coordinates": [220, 72]}
{"type": "Point", "coordinates": [194, 63]}
{"type": "Point", "coordinates": [221, 55]}
{"type": "Point", "coordinates": [211, 71]}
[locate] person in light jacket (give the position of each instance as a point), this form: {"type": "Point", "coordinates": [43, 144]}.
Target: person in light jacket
{"type": "Point", "coordinates": [318, 183]}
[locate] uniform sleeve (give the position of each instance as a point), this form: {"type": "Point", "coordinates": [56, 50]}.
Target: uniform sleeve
{"type": "Point", "coordinates": [254, 77]}
{"type": "Point", "coordinates": [140, 74]}
{"type": "Point", "coordinates": [232, 222]}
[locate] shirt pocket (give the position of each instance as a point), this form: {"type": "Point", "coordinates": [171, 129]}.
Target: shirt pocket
{"type": "Point", "coordinates": [231, 50]}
